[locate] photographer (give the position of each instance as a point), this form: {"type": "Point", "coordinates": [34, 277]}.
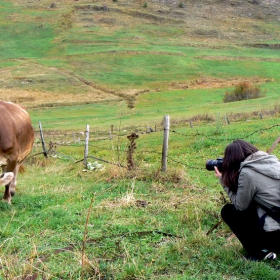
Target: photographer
{"type": "Point", "coordinates": [251, 178]}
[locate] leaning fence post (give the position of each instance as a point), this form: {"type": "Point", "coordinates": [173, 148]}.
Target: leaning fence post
{"type": "Point", "coordinates": [165, 144]}
{"type": "Point", "coordinates": [42, 140]}
{"type": "Point", "coordinates": [86, 145]}
{"type": "Point", "coordinates": [274, 145]}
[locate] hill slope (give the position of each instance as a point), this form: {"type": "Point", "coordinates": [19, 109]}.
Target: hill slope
{"type": "Point", "coordinates": [73, 52]}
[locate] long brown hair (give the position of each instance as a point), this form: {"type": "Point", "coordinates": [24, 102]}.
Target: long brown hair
{"type": "Point", "coordinates": [235, 153]}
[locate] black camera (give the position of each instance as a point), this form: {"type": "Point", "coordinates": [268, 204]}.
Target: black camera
{"type": "Point", "coordinates": [214, 162]}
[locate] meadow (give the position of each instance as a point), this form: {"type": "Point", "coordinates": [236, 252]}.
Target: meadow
{"type": "Point", "coordinates": [67, 221]}
{"type": "Point", "coordinates": [120, 67]}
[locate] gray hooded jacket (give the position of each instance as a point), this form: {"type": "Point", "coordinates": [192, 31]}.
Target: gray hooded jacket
{"type": "Point", "coordinates": [259, 180]}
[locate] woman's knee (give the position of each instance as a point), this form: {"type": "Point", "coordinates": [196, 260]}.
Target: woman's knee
{"type": "Point", "coordinates": [227, 211]}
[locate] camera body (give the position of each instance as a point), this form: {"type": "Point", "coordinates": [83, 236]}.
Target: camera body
{"type": "Point", "coordinates": [211, 163]}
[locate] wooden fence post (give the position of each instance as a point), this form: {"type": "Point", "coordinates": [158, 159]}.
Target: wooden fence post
{"type": "Point", "coordinates": [226, 120]}
{"type": "Point", "coordinates": [165, 143]}
{"type": "Point", "coordinates": [86, 145]}
{"type": "Point", "coordinates": [42, 140]}
{"type": "Point", "coordinates": [274, 145]}
{"type": "Point", "coordinates": [109, 135]}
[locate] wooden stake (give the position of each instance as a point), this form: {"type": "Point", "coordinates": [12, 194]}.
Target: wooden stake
{"type": "Point", "coordinates": [165, 143]}
{"type": "Point", "coordinates": [42, 140]}
{"type": "Point", "coordinates": [86, 146]}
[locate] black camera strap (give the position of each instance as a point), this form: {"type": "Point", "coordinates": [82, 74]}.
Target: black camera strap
{"type": "Point", "coordinates": [273, 212]}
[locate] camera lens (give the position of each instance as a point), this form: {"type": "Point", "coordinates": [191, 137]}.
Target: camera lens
{"type": "Point", "coordinates": [210, 164]}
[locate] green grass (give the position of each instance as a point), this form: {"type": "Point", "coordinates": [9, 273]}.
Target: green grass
{"type": "Point", "coordinates": [45, 225]}
{"type": "Point", "coordinates": [34, 41]}
{"type": "Point", "coordinates": [150, 109]}
{"type": "Point", "coordinates": [137, 68]}
{"type": "Point", "coordinates": [124, 57]}
{"type": "Point", "coordinates": [66, 50]}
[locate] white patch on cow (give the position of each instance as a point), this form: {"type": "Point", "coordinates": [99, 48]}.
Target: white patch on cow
{"type": "Point", "coordinates": [7, 178]}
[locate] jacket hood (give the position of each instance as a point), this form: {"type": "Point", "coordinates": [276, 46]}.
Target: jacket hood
{"type": "Point", "coordinates": [263, 163]}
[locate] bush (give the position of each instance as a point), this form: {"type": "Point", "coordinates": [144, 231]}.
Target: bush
{"type": "Point", "coordinates": [181, 5]}
{"type": "Point", "coordinates": [243, 91]}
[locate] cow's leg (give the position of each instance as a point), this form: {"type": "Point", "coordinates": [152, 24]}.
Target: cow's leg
{"type": "Point", "coordinates": [5, 179]}
{"type": "Point", "coordinates": [7, 196]}
{"type": "Point", "coordinates": [10, 188]}
{"type": "Point", "coordinates": [13, 183]}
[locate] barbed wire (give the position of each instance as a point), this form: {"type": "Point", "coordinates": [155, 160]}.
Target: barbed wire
{"type": "Point", "coordinates": [110, 136]}
{"type": "Point", "coordinates": [118, 149]}
{"type": "Point", "coordinates": [186, 165]}
{"type": "Point", "coordinates": [223, 139]}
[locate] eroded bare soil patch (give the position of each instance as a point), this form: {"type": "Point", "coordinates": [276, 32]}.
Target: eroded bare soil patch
{"type": "Point", "coordinates": [208, 83]}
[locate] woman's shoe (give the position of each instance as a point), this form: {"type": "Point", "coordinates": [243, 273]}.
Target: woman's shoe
{"type": "Point", "coordinates": [265, 255]}
{"type": "Point", "coordinates": [270, 256]}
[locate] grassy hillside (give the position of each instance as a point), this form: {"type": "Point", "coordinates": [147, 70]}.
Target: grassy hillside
{"type": "Point", "coordinates": [130, 52]}
{"type": "Point", "coordinates": [120, 66]}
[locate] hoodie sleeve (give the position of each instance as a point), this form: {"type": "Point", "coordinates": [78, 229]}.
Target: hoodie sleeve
{"type": "Point", "coordinates": [245, 191]}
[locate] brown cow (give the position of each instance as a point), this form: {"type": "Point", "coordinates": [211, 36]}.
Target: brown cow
{"type": "Point", "coordinates": [16, 141]}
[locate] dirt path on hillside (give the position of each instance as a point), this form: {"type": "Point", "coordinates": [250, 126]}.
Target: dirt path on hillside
{"type": "Point", "coordinates": [210, 83]}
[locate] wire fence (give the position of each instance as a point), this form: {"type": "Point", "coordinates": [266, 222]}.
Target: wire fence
{"type": "Point", "coordinates": [117, 142]}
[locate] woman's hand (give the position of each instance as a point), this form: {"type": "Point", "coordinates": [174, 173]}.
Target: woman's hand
{"type": "Point", "coordinates": [218, 174]}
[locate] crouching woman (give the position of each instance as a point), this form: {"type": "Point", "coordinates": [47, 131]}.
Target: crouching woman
{"type": "Point", "coordinates": [251, 178]}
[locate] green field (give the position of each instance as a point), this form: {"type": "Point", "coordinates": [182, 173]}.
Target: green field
{"type": "Point", "coordinates": [138, 224]}
{"type": "Point", "coordinates": [120, 67]}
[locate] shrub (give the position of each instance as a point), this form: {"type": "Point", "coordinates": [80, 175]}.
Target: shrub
{"type": "Point", "coordinates": [145, 5]}
{"type": "Point", "coordinates": [243, 91]}
{"type": "Point", "coordinates": [181, 5]}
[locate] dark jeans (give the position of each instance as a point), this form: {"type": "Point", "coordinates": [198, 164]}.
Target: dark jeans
{"type": "Point", "coordinates": [244, 225]}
